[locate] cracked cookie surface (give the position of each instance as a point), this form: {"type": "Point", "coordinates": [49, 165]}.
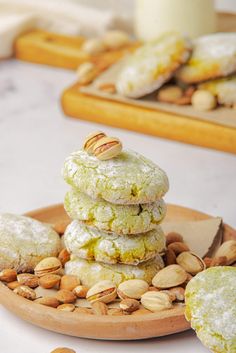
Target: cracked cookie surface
{"type": "Point", "coordinates": [213, 56]}
{"type": "Point", "coordinates": [151, 65]}
{"type": "Point", "coordinates": [128, 178]}
{"type": "Point", "coordinates": [25, 241]}
{"type": "Point", "coordinates": [92, 244]}
{"type": "Point", "coordinates": [90, 272]}
{"type": "Point", "coordinates": [120, 219]}
{"type": "Point", "coordinates": [211, 308]}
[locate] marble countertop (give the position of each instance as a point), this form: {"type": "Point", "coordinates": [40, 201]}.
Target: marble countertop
{"type": "Point", "coordinates": [35, 138]}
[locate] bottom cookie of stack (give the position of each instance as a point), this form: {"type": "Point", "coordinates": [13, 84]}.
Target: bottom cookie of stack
{"type": "Point", "coordinates": [91, 272]}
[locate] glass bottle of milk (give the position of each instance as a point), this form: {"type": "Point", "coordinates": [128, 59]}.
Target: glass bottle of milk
{"type": "Point", "coordinates": [191, 17]}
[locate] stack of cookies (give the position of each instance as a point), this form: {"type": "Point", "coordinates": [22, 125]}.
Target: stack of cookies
{"type": "Point", "coordinates": [116, 206]}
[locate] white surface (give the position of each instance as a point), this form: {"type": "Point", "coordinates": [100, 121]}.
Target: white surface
{"type": "Point", "coordinates": [35, 138]}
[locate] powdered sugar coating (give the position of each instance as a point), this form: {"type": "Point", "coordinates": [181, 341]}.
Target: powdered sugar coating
{"type": "Point", "coordinates": [91, 272]}
{"type": "Point", "coordinates": [120, 219]}
{"type": "Point", "coordinates": [92, 244]}
{"type": "Point", "coordinates": [223, 88]}
{"type": "Point", "coordinates": [126, 179]}
{"type": "Point", "coordinates": [151, 65]}
{"type": "Point", "coordinates": [211, 307]}
{"type": "Point", "coordinates": [25, 241]}
{"type": "Point", "coordinates": [213, 56]}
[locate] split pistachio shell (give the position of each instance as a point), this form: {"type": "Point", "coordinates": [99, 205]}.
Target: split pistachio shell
{"type": "Point", "coordinates": [48, 265]}
{"type": "Point", "coordinates": [91, 140]}
{"type": "Point", "coordinates": [156, 301]}
{"type": "Point", "coordinates": [104, 291]}
{"type": "Point", "coordinates": [191, 262]}
{"type": "Point", "coordinates": [107, 148]}
{"type": "Point", "coordinates": [170, 276]}
{"type": "Point", "coordinates": [133, 288]}
{"type": "Point", "coordinates": [228, 249]}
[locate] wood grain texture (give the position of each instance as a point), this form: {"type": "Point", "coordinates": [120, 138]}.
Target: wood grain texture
{"type": "Point", "coordinates": [62, 51]}
{"type": "Point", "coordinates": [101, 327]}
{"type": "Point", "coordinates": [148, 121]}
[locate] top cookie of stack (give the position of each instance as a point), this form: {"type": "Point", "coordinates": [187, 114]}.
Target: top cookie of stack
{"type": "Point", "coordinates": [116, 203]}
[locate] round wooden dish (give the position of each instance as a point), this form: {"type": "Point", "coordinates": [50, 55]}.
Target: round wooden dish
{"type": "Point", "coordinates": [102, 327]}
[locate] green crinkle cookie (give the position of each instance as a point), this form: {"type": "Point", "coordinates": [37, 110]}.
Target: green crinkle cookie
{"type": "Point", "coordinates": [92, 244]}
{"type": "Point", "coordinates": [126, 179]}
{"type": "Point", "coordinates": [211, 308]}
{"type": "Point", "coordinates": [24, 242]}
{"type": "Point", "coordinates": [120, 219]}
{"type": "Point", "coordinates": [91, 272]}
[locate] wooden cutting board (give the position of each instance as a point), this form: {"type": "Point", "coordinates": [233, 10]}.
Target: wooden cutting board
{"type": "Point", "coordinates": [127, 327]}
{"type": "Point", "coordinates": [53, 49]}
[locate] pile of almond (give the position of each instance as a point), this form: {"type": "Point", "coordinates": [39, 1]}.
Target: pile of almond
{"type": "Point", "coordinates": [134, 296]}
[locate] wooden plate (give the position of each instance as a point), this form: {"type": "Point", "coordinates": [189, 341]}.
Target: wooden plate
{"type": "Point", "coordinates": [102, 327]}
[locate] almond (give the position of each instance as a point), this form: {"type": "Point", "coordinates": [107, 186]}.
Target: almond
{"type": "Point", "coordinates": [178, 292]}
{"type": "Point", "coordinates": [218, 261]}
{"type": "Point", "coordinates": [169, 257]}
{"type": "Point", "coordinates": [25, 292]}
{"type": "Point", "coordinates": [129, 305]}
{"type": "Point", "coordinates": [115, 312]}
{"type": "Point", "coordinates": [48, 301]}
{"type": "Point", "coordinates": [66, 307]}
{"type": "Point", "coordinates": [65, 296]}
{"type": "Point", "coordinates": [64, 256]}
{"type": "Point", "coordinates": [80, 291]}
{"type": "Point", "coordinates": [81, 310]}
{"type": "Point", "coordinates": [28, 279]}
{"type": "Point", "coordinates": [49, 281]}
{"type": "Point", "coordinates": [13, 285]}
{"type": "Point", "coordinates": [173, 237]}
{"type": "Point", "coordinates": [8, 275]}
{"type": "Point", "coordinates": [178, 247]}
{"type": "Point", "coordinates": [69, 282]}
{"type": "Point", "coordinates": [99, 308]}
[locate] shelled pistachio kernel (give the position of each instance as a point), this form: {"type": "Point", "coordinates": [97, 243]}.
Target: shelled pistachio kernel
{"type": "Point", "coordinates": [133, 288]}
{"type": "Point", "coordinates": [156, 301]}
{"type": "Point", "coordinates": [107, 148]}
{"type": "Point", "coordinates": [48, 265]}
{"type": "Point", "coordinates": [91, 140]}
{"type": "Point", "coordinates": [103, 291]}
{"type": "Point", "coordinates": [25, 292]}
{"type": "Point", "coordinates": [170, 276]}
{"type": "Point", "coordinates": [8, 275]}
